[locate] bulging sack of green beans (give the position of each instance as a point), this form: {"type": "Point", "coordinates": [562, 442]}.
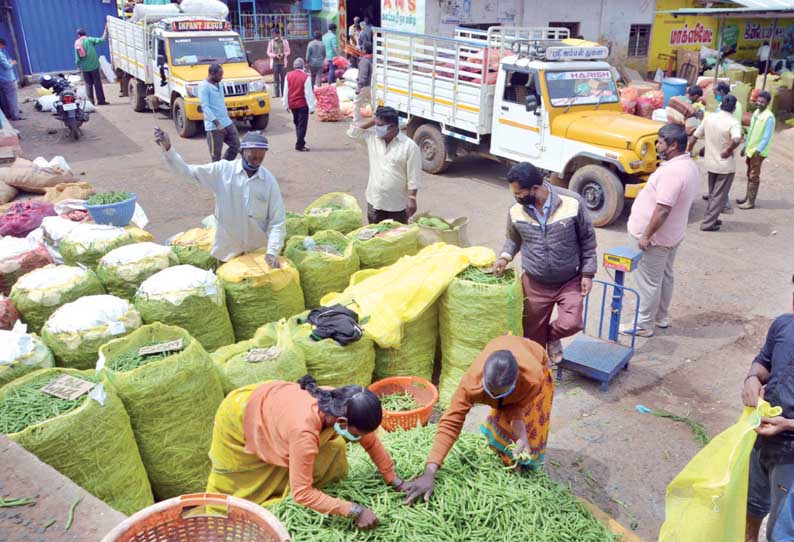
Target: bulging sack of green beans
{"type": "Point", "coordinates": [334, 211]}
{"type": "Point", "coordinates": [88, 242]}
{"type": "Point", "coordinates": [417, 352]}
{"type": "Point", "coordinates": [171, 396]}
{"type": "Point", "coordinates": [89, 439]}
{"type": "Point", "coordinates": [382, 244]}
{"type": "Point", "coordinates": [331, 364]}
{"type": "Point", "coordinates": [475, 308]}
{"type": "Point", "coordinates": [296, 225]}
{"type": "Point", "coordinates": [76, 330]}
{"type": "Point", "coordinates": [271, 355]}
{"type": "Point", "coordinates": [194, 247]}
{"type": "Point", "coordinates": [257, 294]}
{"type": "Point", "coordinates": [326, 261]}
{"type": "Point", "coordinates": [39, 293]}
{"type": "Point", "coordinates": [188, 297]}
{"type": "Point", "coordinates": [123, 269]}
{"type": "Point", "coordinates": [21, 353]}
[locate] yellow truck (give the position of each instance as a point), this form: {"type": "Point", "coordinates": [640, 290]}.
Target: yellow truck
{"type": "Point", "coordinates": [519, 95]}
{"type": "Point", "coordinates": [169, 57]}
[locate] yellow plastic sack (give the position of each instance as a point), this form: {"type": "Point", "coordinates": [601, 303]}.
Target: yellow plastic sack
{"type": "Point", "coordinates": [140, 236]}
{"type": "Point", "coordinates": [387, 298]}
{"type": "Point", "coordinates": [708, 499]}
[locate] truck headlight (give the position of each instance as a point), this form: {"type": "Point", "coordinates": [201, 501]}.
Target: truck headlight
{"type": "Point", "coordinates": [191, 90]}
{"type": "Point", "coordinates": [644, 149]}
{"type": "Point", "coordinates": [257, 86]}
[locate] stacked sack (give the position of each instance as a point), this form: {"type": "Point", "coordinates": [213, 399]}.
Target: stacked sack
{"type": "Point", "coordinates": [194, 247]}
{"type": "Point", "coordinates": [18, 257]}
{"type": "Point", "coordinates": [257, 294]}
{"type": "Point", "coordinates": [123, 269]}
{"type": "Point", "coordinates": [328, 109]}
{"type": "Point", "coordinates": [21, 353]}
{"type": "Point", "coordinates": [334, 211]}
{"type": "Point", "coordinates": [326, 261]}
{"type": "Point", "coordinates": [382, 244]}
{"type": "Point", "coordinates": [88, 242]}
{"type": "Point", "coordinates": [190, 298]}
{"type": "Point", "coordinates": [171, 391]}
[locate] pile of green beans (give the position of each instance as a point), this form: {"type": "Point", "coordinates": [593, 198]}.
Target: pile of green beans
{"type": "Point", "coordinates": [132, 360]}
{"type": "Point", "coordinates": [26, 405]}
{"type": "Point", "coordinates": [475, 500]}
{"type": "Point", "coordinates": [401, 401]}
{"type": "Point", "coordinates": [475, 274]}
{"type": "Point", "coordinates": [106, 198]}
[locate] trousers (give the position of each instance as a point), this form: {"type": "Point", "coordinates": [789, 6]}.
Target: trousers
{"type": "Point", "coordinates": [300, 117]}
{"type": "Point", "coordinates": [93, 81]}
{"type": "Point", "coordinates": [279, 75]}
{"type": "Point", "coordinates": [216, 139]}
{"type": "Point", "coordinates": [317, 75]}
{"type": "Point", "coordinates": [719, 188]}
{"type": "Point", "coordinates": [375, 216]}
{"type": "Point", "coordinates": [654, 282]}
{"type": "Point", "coordinates": [8, 99]}
{"type": "Point", "coordinates": [364, 97]}
{"type": "Point", "coordinates": [754, 168]}
{"type": "Point", "coordinates": [539, 302]}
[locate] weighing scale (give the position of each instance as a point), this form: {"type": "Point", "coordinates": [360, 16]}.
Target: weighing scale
{"type": "Point", "coordinates": [595, 356]}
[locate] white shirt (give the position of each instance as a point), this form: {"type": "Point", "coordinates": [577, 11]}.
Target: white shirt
{"type": "Point", "coordinates": [394, 169]}
{"type": "Point", "coordinates": [763, 52]}
{"type": "Point", "coordinates": [719, 129]}
{"type": "Point", "coordinates": [308, 92]}
{"type": "Point", "coordinates": [249, 211]}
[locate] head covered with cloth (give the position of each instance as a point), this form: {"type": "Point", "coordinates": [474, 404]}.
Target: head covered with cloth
{"type": "Point", "coordinates": [254, 147]}
{"type": "Point", "coordinates": [275, 438]}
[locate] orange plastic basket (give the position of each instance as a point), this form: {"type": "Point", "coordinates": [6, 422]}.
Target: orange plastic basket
{"type": "Point", "coordinates": [185, 519]}
{"type": "Point", "coordinates": [424, 392]}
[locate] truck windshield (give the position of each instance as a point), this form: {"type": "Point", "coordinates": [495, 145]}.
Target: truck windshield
{"type": "Point", "coordinates": [206, 50]}
{"type": "Point", "coordinates": [581, 88]}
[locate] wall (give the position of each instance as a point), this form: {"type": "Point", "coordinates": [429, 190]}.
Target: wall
{"type": "Point", "coordinates": [47, 30]}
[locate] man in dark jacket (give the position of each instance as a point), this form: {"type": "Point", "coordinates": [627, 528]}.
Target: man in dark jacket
{"type": "Point", "coordinates": [553, 231]}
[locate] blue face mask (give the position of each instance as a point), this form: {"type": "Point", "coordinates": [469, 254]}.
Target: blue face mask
{"type": "Point", "coordinates": [248, 167]}
{"type": "Point", "coordinates": [382, 131]}
{"type": "Point", "coordinates": [344, 433]}
{"type": "Point", "coordinates": [719, 98]}
{"type": "Point", "coordinates": [501, 395]}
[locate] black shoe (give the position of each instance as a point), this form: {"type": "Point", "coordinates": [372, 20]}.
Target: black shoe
{"type": "Point", "coordinates": [103, 103]}
{"type": "Point", "coordinates": [304, 149]}
{"type": "Point", "coordinates": [715, 227]}
{"type": "Point", "coordinates": [705, 197]}
{"type": "Point", "coordinates": [718, 222]}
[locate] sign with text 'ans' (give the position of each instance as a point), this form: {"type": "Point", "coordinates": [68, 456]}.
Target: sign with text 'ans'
{"type": "Point", "coordinates": [405, 15]}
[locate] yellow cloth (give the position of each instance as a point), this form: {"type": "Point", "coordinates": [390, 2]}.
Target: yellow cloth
{"type": "Point", "coordinates": [253, 266]}
{"type": "Point", "coordinates": [240, 474]}
{"type": "Point", "coordinates": [707, 500]}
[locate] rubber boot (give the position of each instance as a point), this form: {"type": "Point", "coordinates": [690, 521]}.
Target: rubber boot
{"type": "Point", "coordinates": [752, 193]}
{"type": "Point", "coordinates": [742, 200]}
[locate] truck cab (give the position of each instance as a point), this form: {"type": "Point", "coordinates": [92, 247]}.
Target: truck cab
{"type": "Point", "coordinates": [169, 58]}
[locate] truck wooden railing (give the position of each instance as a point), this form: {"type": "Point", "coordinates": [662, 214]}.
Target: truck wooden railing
{"type": "Point", "coordinates": [261, 25]}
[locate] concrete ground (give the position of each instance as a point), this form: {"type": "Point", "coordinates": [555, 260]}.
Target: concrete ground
{"type": "Point", "coordinates": [729, 286]}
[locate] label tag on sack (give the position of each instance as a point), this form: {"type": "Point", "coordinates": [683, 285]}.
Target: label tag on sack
{"type": "Point", "coordinates": [394, 232]}
{"type": "Point", "coordinates": [171, 346]}
{"type": "Point", "coordinates": [367, 234]}
{"type": "Point", "coordinates": [68, 387]}
{"type": "Point", "coordinates": [320, 211]}
{"type": "Point", "coordinates": [258, 355]}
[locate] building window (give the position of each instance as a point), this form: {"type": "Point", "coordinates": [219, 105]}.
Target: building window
{"type": "Point", "coordinates": [573, 28]}
{"type": "Point", "coordinates": [639, 39]}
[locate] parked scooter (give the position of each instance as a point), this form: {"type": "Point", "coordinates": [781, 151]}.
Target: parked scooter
{"type": "Point", "coordinates": [69, 109]}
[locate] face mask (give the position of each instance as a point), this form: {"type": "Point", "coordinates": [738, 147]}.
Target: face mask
{"type": "Point", "coordinates": [501, 395]}
{"type": "Point", "coordinates": [248, 167]}
{"type": "Point", "coordinates": [719, 98]}
{"type": "Point", "coordinates": [345, 434]}
{"type": "Point", "coordinates": [381, 131]}
{"type": "Point", "coordinates": [526, 200]}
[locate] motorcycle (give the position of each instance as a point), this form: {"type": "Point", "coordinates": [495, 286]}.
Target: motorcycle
{"type": "Point", "coordinates": [68, 108]}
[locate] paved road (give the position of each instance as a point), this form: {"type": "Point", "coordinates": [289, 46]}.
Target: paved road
{"type": "Point", "coordinates": [729, 286]}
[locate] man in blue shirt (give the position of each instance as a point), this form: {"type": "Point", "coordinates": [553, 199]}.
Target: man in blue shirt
{"type": "Point", "coordinates": [8, 84]}
{"type": "Point", "coordinates": [217, 123]}
{"type": "Point", "coordinates": [771, 376]}
{"type": "Point", "coordinates": [331, 43]}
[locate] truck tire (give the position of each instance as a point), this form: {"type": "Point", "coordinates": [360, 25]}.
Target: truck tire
{"type": "Point", "coordinates": [602, 192]}
{"type": "Point", "coordinates": [136, 90]}
{"type": "Point", "coordinates": [432, 148]}
{"type": "Point", "coordinates": [259, 122]}
{"type": "Point", "coordinates": [184, 126]}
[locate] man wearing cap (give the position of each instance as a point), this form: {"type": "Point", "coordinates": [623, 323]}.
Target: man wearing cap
{"type": "Point", "coordinates": [248, 205]}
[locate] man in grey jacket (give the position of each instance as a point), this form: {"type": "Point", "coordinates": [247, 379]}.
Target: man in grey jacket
{"type": "Point", "coordinates": [553, 231]}
{"type": "Point", "coordinates": [315, 57]}
{"type": "Point", "coordinates": [363, 87]}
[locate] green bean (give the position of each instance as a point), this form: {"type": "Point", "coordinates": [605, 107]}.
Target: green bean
{"type": "Point", "coordinates": [106, 198]}
{"type": "Point", "coordinates": [699, 432]}
{"type": "Point", "coordinates": [25, 405]}
{"type": "Point", "coordinates": [21, 501]}
{"type": "Point", "coordinates": [49, 523]}
{"type": "Point", "coordinates": [70, 517]}
{"type": "Point", "coordinates": [473, 498]}
{"type": "Point", "coordinates": [132, 359]}
{"type": "Point", "coordinates": [399, 402]}
{"type": "Point", "coordinates": [475, 274]}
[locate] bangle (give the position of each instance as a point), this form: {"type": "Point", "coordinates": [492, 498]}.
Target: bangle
{"type": "Point", "coordinates": [396, 482]}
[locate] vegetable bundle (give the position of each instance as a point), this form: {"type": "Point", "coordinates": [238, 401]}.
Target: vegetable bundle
{"type": "Point", "coordinates": [399, 402]}
{"type": "Point", "coordinates": [475, 308]}
{"type": "Point", "coordinates": [379, 245]}
{"type": "Point", "coordinates": [88, 242]}
{"type": "Point", "coordinates": [88, 440]}
{"type": "Point", "coordinates": [171, 398]}
{"type": "Point", "coordinates": [322, 271]}
{"type": "Point", "coordinates": [475, 498]}
{"type": "Point", "coordinates": [108, 198]}
{"type": "Point", "coordinates": [123, 270]}
{"type": "Point", "coordinates": [334, 211]}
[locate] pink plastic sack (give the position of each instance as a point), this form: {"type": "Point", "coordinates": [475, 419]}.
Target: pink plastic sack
{"type": "Point", "coordinates": [655, 97]}
{"type": "Point", "coordinates": [8, 313]}
{"type": "Point", "coordinates": [18, 257]}
{"type": "Point", "coordinates": [645, 107]}
{"type": "Point", "coordinates": [629, 105]}
{"type": "Point", "coordinates": [341, 63]}
{"type": "Point", "coordinates": [23, 217]}
{"type": "Point", "coordinates": [327, 104]}
{"type": "Point", "coordinates": [629, 93]}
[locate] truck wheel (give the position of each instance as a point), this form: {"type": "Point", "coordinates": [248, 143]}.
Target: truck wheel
{"type": "Point", "coordinates": [184, 127]}
{"type": "Point", "coordinates": [137, 93]}
{"type": "Point", "coordinates": [259, 122]}
{"type": "Point", "coordinates": [602, 192]}
{"type": "Point", "coordinates": [431, 145]}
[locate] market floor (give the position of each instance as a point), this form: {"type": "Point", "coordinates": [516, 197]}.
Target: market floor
{"type": "Point", "coordinates": [729, 286]}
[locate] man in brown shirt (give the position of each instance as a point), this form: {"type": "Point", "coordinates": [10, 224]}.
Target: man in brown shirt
{"type": "Point", "coordinates": [512, 376]}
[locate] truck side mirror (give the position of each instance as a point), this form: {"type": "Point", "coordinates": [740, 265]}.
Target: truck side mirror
{"type": "Point", "coordinates": [248, 55]}
{"type": "Point", "coordinates": [532, 103]}
{"type": "Point", "coordinates": [161, 61]}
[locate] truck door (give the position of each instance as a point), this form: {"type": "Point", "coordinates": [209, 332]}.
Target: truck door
{"type": "Point", "coordinates": [517, 132]}
{"type": "Point", "coordinates": [161, 74]}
